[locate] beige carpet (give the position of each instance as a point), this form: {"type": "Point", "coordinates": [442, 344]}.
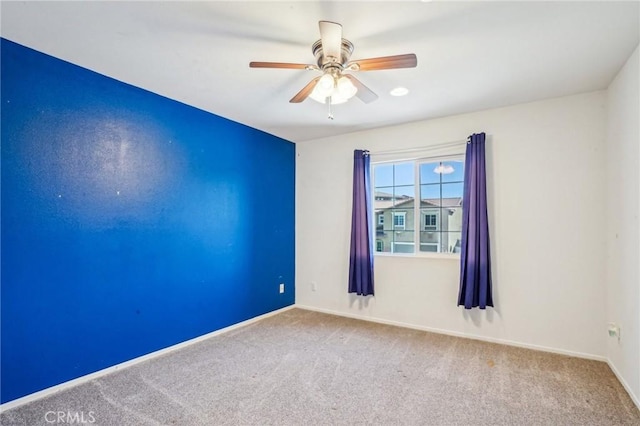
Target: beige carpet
{"type": "Point", "coordinates": [306, 368]}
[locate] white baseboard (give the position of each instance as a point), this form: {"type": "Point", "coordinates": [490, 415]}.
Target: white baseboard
{"type": "Point", "coordinates": [83, 379]}
{"type": "Point", "coordinates": [625, 385]}
{"type": "Point", "coordinates": [456, 333]}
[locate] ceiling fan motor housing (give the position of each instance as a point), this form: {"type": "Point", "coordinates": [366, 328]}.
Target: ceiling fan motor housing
{"type": "Point", "coordinates": [346, 49]}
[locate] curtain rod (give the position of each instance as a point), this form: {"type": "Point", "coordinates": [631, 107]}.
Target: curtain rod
{"type": "Point", "coordinates": [424, 148]}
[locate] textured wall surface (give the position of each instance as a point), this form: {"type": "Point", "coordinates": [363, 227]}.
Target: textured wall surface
{"type": "Point", "coordinates": [130, 222]}
{"type": "Point", "coordinates": [545, 186]}
{"type": "Point", "coordinates": [623, 227]}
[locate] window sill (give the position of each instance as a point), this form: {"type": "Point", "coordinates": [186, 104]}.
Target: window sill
{"type": "Point", "coordinates": [445, 256]}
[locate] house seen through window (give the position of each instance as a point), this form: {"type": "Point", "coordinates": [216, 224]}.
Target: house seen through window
{"type": "Point", "coordinates": [434, 223]}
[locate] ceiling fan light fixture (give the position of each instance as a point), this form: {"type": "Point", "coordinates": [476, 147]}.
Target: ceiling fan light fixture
{"type": "Point", "coordinates": [325, 86]}
{"type": "Point", "coordinates": [345, 88]}
{"type": "Point", "coordinates": [338, 90]}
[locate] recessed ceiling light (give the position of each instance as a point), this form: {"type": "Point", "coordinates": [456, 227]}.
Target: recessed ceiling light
{"type": "Point", "coordinates": [399, 91]}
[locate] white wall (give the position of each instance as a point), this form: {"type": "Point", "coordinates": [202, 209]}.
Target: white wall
{"type": "Point", "coordinates": [546, 177]}
{"type": "Point", "coordinates": [623, 232]}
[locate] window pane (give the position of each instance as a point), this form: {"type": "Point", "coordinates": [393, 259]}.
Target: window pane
{"type": "Point", "coordinates": [453, 171]}
{"type": "Point", "coordinates": [452, 219]}
{"type": "Point", "coordinates": [404, 195]}
{"type": "Point", "coordinates": [402, 236]}
{"type": "Point", "coordinates": [383, 174]}
{"type": "Point", "coordinates": [452, 190]}
{"type": "Point", "coordinates": [403, 174]}
{"type": "Point", "coordinates": [427, 174]}
{"type": "Point", "coordinates": [383, 199]}
{"type": "Point", "coordinates": [430, 194]}
{"type": "Point", "coordinates": [451, 242]}
{"type": "Point", "coordinates": [388, 237]}
{"type": "Point", "coordinates": [429, 241]}
{"type": "Point", "coordinates": [403, 240]}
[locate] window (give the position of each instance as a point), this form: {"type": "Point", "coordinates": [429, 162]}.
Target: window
{"type": "Point", "coordinates": [433, 223]}
{"type": "Point", "coordinates": [430, 221]}
{"type": "Point", "coordinates": [398, 220]}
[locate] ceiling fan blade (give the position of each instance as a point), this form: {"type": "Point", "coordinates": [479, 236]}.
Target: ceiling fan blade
{"type": "Point", "coordinates": [305, 92]}
{"type": "Point", "coordinates": [279, 65]}
{"type": "Point", "coordinates": [384, 63]}
{"type": "Point", "coordinates": [365, 94]}
{"type": "Point", "coordinates": [331, 36]}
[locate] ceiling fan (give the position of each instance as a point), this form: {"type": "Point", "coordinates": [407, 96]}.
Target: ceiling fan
{"type": "Point", "coordinates": [332, 53]}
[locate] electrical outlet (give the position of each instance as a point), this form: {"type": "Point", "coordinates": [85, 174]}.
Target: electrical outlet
{"type": "Point", "coordinates": [281, 287]}
{"type": "Point", "coordinates": [314, 286]}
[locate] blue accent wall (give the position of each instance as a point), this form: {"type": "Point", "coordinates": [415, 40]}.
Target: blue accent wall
{"type": "Point", "coordinates": [130, 222]}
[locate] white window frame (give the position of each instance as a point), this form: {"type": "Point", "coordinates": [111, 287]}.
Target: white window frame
{"type": "Point", "coordinates": [381, 219]}
{"type": "Point", "coordinates": [417, 161]}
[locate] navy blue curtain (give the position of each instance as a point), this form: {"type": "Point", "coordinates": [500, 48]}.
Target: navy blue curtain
{"type": "Point", "coordinates": [475, 259]}
{"type": "Point", "coordinates": [361, 259]}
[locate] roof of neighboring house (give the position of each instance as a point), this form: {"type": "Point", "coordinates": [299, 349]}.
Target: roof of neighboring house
{"type": "Point", "coordinates": [385, 200]}
{"type": "Point", "coordinates": [446, 202]}
{"type": "Point", "coordinates": [385, 195]}
{"type": "Point", "coordinates": [427, 202]}
{"type": "Point", "coordinates": [380, 194]}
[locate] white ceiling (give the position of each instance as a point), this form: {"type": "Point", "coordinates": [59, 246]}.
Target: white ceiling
{"type": "Point", "coordinates": [471, 55]}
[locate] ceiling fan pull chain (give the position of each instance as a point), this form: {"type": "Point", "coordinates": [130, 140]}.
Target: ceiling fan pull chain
{"type": "Point", "coordinates": [330, 116]}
